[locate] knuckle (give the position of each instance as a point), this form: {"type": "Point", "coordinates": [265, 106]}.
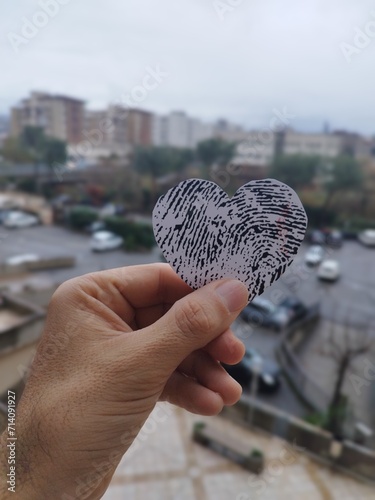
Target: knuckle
{"type": "Point", "coordinates": [192, 318]}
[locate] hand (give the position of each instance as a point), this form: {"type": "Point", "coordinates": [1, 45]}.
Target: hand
{"type": "Point", "coordinates": [115, 343]}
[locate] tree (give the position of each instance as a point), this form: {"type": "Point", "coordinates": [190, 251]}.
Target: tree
{"type": "Point", "coordinates": [33, 145]}
{"type": "Point", "coordinates": [295, 170]}
{"type": "Point", "coordinates": [53, 151]}
{"type": "Point", "coordinates": [215, 151]}
{"type": "Point", "coordinates": [343, 351]}
{"type": "Point", "coordinates": [343, 174]}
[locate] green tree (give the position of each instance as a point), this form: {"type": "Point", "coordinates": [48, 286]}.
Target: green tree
{"type": "Point", "coordinates": [215, 151]}
{"type": "Point", "coordinates": [343, 174]}
{"type": "Point", "coordinates": [14, 152]}
{"type": "Point", "coordinates": [34, 146]}
{"type": "Point", "coordinates": [295, 170]}
{"type": "Point", "coordinates": [53, 151]}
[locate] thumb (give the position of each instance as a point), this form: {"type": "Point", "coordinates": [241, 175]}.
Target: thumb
{"type": "Point", "coordinates": [196, 320]}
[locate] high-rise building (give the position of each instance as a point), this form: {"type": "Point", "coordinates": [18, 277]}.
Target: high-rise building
{"type": "Point", "coordinates": [60, 116]}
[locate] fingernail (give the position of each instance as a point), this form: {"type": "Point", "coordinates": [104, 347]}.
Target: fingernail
{"type": "Point", "coordinates": [234, 294]}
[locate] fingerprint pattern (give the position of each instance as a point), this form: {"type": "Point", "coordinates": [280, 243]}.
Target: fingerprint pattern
{"type": "Point", "coordinates": [253, 236]}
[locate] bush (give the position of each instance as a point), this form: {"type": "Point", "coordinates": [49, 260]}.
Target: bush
{"type": "Point", "coordinates": [319, 217]}
{"type": "Point", "coordinates": [81, 217]}
{"type": "Point", "coordinates": [136, 236]}
{"type": "Point", "coordinates": [358, 224]}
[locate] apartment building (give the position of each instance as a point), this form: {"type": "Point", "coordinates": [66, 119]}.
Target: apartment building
{"type": "Point", "coordinates": [139, 127]}
{"type": "Point", "coordinates": [178, 130]}
{"type": "Point", "coordinates": [60, 116]}
{"type": "Point", "coordinates": [256, 150]}
{"type": "Point", "coordinates": [323, 145]}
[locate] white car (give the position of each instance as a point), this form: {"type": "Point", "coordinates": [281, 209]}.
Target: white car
{"type": "Point", "coordinates": [102, 241]}
{"type": "Point", "coordinates": [20, 219]}
{"type": "Point", "coordinates": [314, 255]}
{"type": "Point", "coordinates": [367, 237]}
{"type": "Point", "coordinates": [329, 270]}
{"type": "Point", "coordinates": [18, 260]}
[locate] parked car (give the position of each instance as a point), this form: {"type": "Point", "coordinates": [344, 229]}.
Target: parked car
{"type": "Point", "coordinates": [296, 309]}
{"type": "Point", "coordinates": [329, 270]}
{"type": "Point", "coordinates": [262, 312]}
{"type": "Point", "coordinates": [268, 372]}
{"type": "Point", "coordinates": [96, 226]}
{"type": "Point", "coordinates": [335, 239]}
{"type": "Point", "coordinates": [317, 237]}
{"type": "Point", "coordinates": [102, 241]}
{"type": "Point", "coordinates": [4, 214]}
{"type": "Point", "coordinates": [314, 255]}
{"type": "Point", "coordinates": [17, 260]}
{"type": "Point", "coordinates": [367, 237]}
{"type": "Point", "coordinates": [20, 219]}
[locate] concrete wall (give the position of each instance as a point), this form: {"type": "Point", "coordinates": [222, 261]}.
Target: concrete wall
{"type": "Point", "coordinates": [355, 460]}
{"type": "Point", "coordinates": [44, 263]}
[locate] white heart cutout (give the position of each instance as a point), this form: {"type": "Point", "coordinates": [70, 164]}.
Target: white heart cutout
{"type": "Point", "coordinates": [205, 235]}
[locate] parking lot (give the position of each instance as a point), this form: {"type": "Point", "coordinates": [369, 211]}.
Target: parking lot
{"type": "Point", "coordinates": [350, 300]}
{"type": "Point", "coordinates": [52, 241]}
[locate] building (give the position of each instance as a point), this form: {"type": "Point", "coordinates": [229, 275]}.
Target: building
{"type": "Point", "coordinates": [60, 116]}
{"type": "Point", "coordinates": [4, 128]}
{"type": "Point", "coordinates": [178, 130]}
{"type": "Point", "coordinates": [355, 145]}
{"type": "Point", "coordinates": [139, 127]}
{"type": "Point", "coordinates": [159, 130]}
{"type": "Point", "coordinates": [229, 132]}
{"type": "Point", "coordinates": [200, 131]}
{"type": "Point", "coordinates": [323, 145]}
{"type": "Point", "coordinates": [257, 150]}
{"type": "Point", "coordinates": [116, 130]}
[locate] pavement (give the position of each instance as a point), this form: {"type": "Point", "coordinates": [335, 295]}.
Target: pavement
{"type": "Point", "coordinates": [165, 464]}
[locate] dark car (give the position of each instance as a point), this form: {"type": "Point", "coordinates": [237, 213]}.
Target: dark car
{"type": "Point", "coordinates": [317, 237]}
{"type": "Point", "coordinates": [295, 308]}
{"type": "Point", "coordinates": [252, 362]}
{"type": "Point", "coordinates": [335, 239]}
{"type": "Point", "coordinates": [261, 312]}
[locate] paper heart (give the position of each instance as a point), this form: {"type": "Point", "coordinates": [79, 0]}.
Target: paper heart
{"type": "Point", "coordinates": [205, 235]}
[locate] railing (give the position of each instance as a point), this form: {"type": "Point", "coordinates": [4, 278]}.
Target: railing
{"type": "Point", "coordinates": [308, 390]}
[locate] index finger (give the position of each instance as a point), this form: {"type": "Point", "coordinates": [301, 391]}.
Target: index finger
{"type": "Point", "coordinates": [143, 286]}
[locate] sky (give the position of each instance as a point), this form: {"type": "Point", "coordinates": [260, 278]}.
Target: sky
{"type": "Point", "coordinates": [234, 59]}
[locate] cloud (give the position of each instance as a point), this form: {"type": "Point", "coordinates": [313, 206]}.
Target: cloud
{"type": "Point", "coordinates": [261, 55]}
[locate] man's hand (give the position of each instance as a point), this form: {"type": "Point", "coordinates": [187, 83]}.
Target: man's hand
{"type": "Point", "coordinates": [115, 343]}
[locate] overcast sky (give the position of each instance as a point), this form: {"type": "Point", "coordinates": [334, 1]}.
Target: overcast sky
{"type": "Point", "coordinates": [261, 55]}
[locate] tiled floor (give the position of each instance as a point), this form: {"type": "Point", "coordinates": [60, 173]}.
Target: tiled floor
{"type": "Point", "coordinates": [164, 464]}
